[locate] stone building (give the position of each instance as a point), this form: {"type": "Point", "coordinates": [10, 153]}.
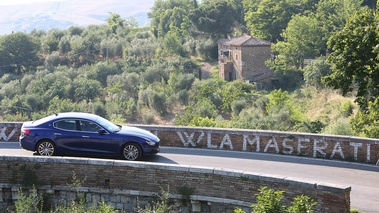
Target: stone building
{"type": "Point", "coordinates": [243, 58]}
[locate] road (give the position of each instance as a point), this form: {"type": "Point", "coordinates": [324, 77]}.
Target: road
{"type": "Point", "coordinates": [363, 178]}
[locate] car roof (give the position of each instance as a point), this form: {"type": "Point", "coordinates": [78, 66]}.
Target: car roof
{"type": "Point", "coordinates": [75, 115]}
{"type": "Point", "coordinates": [64, 115]}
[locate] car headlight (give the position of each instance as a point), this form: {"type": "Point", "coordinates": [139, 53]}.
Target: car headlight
{"type": "Point", "coordinates": [151, 143]}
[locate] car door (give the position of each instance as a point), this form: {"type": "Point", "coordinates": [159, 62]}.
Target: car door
{"type": "Point", "coordinates": [67, 135]}
{"type": "Point", "coordinates": [96, 140]}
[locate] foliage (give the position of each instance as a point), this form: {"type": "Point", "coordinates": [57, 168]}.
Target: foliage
{"type": "Point", "coordinates": [202, 121]}
{"type": "Point", "coordinates": [146, 75]}
{"type": "Point", "coordinates": [115, 21]}
{"type": "Point", "coordinates": [332, 15]}
{"type": "Point", "coordinates": [17, 50]}
{"type": "Point", "coordinates": [355, 58]}
{"type": "Point", "coordinates": [302, 204]}
{"type": "Point", "coordinates": [301, 40]}
{"type": "Point", "coordinates": [170, 16]}
{"type": "Point", "coordinates": [342, 126]}
{"type": "Point", "coordinates": [31, 202]}
{"type": "Point", "coordinates": [267, 19]}
{"type": "Point", "coordinates": [311, 126]}
{"type": "Point", "coordinates": [366, 123]}
{"type": "Point", "coordinates": [234, 91]}
{"type": "Point", "coordinates": [186, 192]}
{"type": "Point", "coordinates": [160, 206]}
{"type": "Point", "coordinates": [279, 99]}
{"type": "Point", "coordinates": [173, 44]}
{"type": "Point", "coordinates": [215, 18]}
{"type": "Point", "coordinates": [269, 201]}
{"type": "Point", "coordinates": [314, 72]}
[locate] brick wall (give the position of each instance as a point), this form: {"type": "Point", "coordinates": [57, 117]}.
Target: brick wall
{"type": "Point", "coordinates": [210, 185]}
{"type": "Point", "coordinates": [285, 143]}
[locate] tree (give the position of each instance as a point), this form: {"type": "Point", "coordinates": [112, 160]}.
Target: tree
{"type": "Point", "coordinates": [17, 50]}
{"type": "Point", "coordinates": [170, 15]}
{"type": "Point", "coordinates": [115, 21]}
{"type": "Point", "coordinates": [50, 41]}
{"type": "Point", "coordinates": [269, 18]}
{"type": "Point", "coordinates": [173, 45]}
{"type": "Point", "coordinates": [366, 123]}
{"type": "Point", "coordinates": [214, 18]}
{"type": "Point", "coordinates": [332, 15]}
{"type": "Point", "coordinates": [101, 71]}
{"type": "Point", "coordinates": [302, 40]}
{"type": "Point", "coordinates": [355, 58]}
{"type": "Point", "coordinates": [314, 72]}
{"type": "Point", "coordinates": [86, 89]}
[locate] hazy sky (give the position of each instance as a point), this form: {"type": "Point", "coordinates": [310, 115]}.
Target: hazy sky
{"type": "Point", "coordinates": [12, 2]}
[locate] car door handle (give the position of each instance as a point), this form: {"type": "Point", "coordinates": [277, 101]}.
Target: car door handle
{"type": "Point", "coordinates": [85, 136]}
{"type": "Point", "coordinates": [57, 134]}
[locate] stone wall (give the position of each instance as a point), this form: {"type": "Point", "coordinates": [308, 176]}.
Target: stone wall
{"type": "Point", "coordinates": [285, 143]}
{"type": "Point", "coordinates": [9, 131]}
{"type": "Point", "coordinates": [115, 181]}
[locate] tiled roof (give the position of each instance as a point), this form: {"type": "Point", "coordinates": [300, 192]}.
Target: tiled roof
{"type": "Point", "coordinates": [245, 40]}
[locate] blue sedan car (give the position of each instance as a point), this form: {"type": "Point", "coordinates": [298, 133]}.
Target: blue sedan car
{"type": "Point", "coordinates": [76, 133]}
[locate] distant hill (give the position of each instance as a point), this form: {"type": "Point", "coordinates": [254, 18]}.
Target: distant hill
{"type": "Point", "coordinates": [65, 13]}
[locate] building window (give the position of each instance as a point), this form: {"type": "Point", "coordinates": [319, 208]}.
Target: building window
{"type": "Point", "coordinates": [236, 57]}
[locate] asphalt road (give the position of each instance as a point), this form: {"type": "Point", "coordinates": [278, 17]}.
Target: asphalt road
{"type": "Point", "coordinates": [363, 178]}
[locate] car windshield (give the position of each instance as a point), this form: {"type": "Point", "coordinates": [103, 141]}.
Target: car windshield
{"type": "Point", "coordinates": [107, 124]}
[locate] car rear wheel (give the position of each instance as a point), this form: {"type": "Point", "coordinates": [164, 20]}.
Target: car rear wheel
{"type": "Point", "coordinates": [46, 148]}
{"type": "Point", "coordinates": [132, 151]}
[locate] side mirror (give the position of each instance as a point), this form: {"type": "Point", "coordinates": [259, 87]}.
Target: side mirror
{"type": "Point", "coordinates": [101, 131]}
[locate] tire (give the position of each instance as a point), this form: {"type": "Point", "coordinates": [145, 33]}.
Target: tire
{"type": "Point", "coordinates": [46, 148]}
{"type": "Point", "coordinates": [132, 152]}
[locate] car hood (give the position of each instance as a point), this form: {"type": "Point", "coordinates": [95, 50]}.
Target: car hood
{"type": "Point", "coordinates": [138, 132]}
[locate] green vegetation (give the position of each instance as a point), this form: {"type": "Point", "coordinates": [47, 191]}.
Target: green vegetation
{"type": "Point", "coordinates": [153, 75]}
{"type": "Point", "coordinates": [268, 201]}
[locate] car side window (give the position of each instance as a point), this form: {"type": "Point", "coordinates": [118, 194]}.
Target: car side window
{"type": "Point", "coordinates": [66, 125]}
{"type": "Point", "coordinates": [88, 126]}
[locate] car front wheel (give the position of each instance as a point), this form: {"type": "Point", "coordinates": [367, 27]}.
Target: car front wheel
{"type": "Point", "coordinates": [46, 148]}
{"type": "Point", "coordinates": [132, 151]}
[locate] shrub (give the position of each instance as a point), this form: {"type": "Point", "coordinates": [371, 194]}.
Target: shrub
{"type": "Point", "coordinates": [200, 121]}
{"type": "Point", "coordinates": [147, 116]}
{"type": "Point", "coordinates": [340, 127]}
{"type": "Point", "coordinates": [268, 201]}
{"type": "Point", "coordinates": [346, 108]}
{"type": "Point", "coordinates": [157, 101]}
{"type": "Point", "coordinates": [302, 204]}
{"type": "Point", "coordinates": [238, 106]}
{"type": "Point", "coordinates": [28, 203]}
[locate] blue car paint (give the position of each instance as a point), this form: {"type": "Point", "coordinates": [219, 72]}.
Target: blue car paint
{"type": "Point", "coordinates": [69, 142]}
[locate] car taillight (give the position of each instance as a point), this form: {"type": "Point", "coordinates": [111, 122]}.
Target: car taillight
{"type": "Point", "coordinates": [25, 131]}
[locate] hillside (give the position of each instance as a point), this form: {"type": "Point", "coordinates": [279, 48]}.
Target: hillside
{"type": "Point", "coordinates": [65, 13]}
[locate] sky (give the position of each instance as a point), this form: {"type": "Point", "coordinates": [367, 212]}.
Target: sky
{"type": "Point", "coordinates": [14, 2]}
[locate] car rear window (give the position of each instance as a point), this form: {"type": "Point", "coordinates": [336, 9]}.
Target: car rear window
{"type": "Point", "coordinates": [43, 120]}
